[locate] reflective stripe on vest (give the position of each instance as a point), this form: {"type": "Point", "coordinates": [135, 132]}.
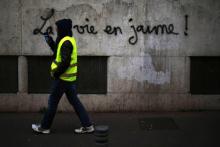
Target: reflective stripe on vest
{"type": "Point", "coordinates": [71, 72]}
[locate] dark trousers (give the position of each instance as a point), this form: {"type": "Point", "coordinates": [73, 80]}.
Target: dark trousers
{"type": "Point", "coordinates": [58, 88]}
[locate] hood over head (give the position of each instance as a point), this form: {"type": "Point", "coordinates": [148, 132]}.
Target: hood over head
{"type": "Point", "coordinates": [64, 28]}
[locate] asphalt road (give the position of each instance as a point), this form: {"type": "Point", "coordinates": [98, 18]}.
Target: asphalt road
{"type": "Point", "coordinates": [159, 129]}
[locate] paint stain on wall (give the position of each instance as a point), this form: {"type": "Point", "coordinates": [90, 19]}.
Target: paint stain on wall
{"type": "Point", "coordinates": [141, 69]}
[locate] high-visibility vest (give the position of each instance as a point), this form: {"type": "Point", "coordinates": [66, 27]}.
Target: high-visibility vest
{"type": "Point", "coordinates": [71, 73]}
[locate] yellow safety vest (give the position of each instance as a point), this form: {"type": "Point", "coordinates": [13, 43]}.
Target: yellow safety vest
{"type": "Point", "coordinates": [71, 72]}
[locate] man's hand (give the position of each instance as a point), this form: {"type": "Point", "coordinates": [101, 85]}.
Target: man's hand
{"type": "Point", "coordinates": [54, 75]}
{"type": "Point", "coordinates": [46, 36]}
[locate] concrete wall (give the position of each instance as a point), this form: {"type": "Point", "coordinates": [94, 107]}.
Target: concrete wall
{"type": "Point", "coordinates": [150, 75]}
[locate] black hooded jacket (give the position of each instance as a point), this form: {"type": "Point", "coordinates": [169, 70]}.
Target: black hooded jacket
{"type": "Point", "coordinates": [64, 28]}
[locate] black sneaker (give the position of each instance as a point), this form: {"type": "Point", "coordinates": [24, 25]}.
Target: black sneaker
{"type": "Point", "coordinates": [84, 130]}
{"type": "Point", "coordinates": [37, 128]}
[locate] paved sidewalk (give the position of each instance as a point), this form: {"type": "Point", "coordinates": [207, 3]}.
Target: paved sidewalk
{"type": "Point", "coordinates": [169, 129]}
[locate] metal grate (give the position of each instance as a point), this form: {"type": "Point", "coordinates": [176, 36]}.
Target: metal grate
{"type": "Point", "coordinates": [92, 74]}
{"type": "Point", "coordinates": [204, 75]}
{"type": "Point", "coordinates": [8, 74]}
{"type": "Point", "coordinates": [39, 80]}
{"type": "Point", "coordinates": [157, 123]}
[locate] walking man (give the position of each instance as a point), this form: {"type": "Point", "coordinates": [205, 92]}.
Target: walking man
{"type": "Point", "coordinates": [64, 73]}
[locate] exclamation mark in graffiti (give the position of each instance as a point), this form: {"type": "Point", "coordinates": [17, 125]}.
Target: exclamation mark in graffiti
{"type": "Point", "coordinates": [186, 25]}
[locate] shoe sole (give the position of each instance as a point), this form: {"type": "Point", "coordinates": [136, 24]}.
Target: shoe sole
{"type": "Point", "coordinates": [86, 132]}
{"type": "Point", "coordinates": [40, 132]}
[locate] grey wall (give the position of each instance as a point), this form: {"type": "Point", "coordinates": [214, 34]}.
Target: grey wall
{"type": "Point", "coordinates": [152, 74]}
